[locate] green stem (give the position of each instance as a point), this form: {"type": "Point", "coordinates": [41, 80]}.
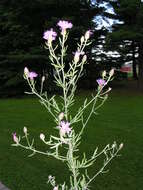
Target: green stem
{"type": "Point", "coordinates": [104, 165]}
{"type": "Point", "coordinates": [72, 165]}
{"type": "Point", "coordinates": [64, 81]}
{"type": "Point", "coordinates": [42, 99]}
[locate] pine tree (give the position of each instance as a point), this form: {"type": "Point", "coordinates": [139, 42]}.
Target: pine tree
{"type": "Point", "coordinates": [130, 28]}
{"type": "Point", "coordinates": [22, 24]}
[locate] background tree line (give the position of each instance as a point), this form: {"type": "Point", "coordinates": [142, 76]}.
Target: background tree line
{"type": "Point", "coordinates": [22, 24]}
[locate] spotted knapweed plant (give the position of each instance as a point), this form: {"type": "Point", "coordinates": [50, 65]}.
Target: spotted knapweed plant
{"type": "Point", "coordinates": [68, 137]}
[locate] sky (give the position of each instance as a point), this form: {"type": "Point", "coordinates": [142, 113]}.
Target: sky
{"type": "Point", "coordinates": [104, 21]}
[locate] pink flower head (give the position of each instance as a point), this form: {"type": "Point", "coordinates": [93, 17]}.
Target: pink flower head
{"type": "Point", "coordinates": [32, 75]}
{"type": "Point", "coordinates": [64, 24]}
{"type": "Point", "coordinates": [50, 35]}
{"type": "Point", "coordinates": [64, 127]}
{"type": "Point", "coordinates": [101, 82]}
{"type": "Point", "coordinates": [15, 139]}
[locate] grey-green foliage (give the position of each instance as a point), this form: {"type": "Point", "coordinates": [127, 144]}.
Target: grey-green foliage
{"type": "Point", "coordinates": [64, 146]}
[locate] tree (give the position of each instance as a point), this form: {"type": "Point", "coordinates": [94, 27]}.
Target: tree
{"type": "Point", "coordinates": [130, 29]}
{"type": "Point", "coordinates": [22, 24]}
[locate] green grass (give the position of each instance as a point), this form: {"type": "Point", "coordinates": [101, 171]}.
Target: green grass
{"type": "Point", "coordinates": [120, 119]}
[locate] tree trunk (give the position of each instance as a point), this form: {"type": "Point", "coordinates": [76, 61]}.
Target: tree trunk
{"type": "Point", "coordinates": [140, 75]}
{"type": "Point", "coordinates": [134, 61]}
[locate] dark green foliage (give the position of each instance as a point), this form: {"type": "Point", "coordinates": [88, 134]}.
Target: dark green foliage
{"type": "Point", "coordinates": [22, 24]}
{"type": "Point", "coordinates": [128, 35]}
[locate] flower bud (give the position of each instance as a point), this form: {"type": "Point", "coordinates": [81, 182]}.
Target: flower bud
{"type": "Point", "coordinates": [25, 130]}
{"type": "Point", "coordinates": [61, 116]}
{"type": "Point", "coordinates": [26, 71]}
{"type": "Point", "coordinates": [15, 139]}
{"type": "Point", "coordinates": [50, 177]}
{"type": "Point", "coordinates": [42, 137]}
{"type": "Point", "coordinates": [111, 73]}
{"type": "Point", "coordinates": [104, 74]}
{"type": "Point", "coordinates": [109, 89]}
{"type": "Point", "coordinates": [82, 39]}
{"type": "Point", "coordinates": [76, 57]}
{"type": "Point", "coordinates": [43, 78]}
{"type": "Point", "coordinates": [121, 146]}
{"type": "Point", "coordinates": [113, 145]}
{"type": "Point", "coordinates": [87, 34]}
{"type": "Point", "coordinates": [84, 58]}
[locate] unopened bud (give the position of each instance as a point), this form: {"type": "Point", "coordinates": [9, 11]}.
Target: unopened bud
{"type": "Point", "coordinates": [114, 145]}
{"type": "Point", "coordinates": [104, 74]}
{"type": "Point", "coordinates": [26, 71]}
{"type": "Point", "coordinates": [43, 78]}
{"type": "Point", "coordinates": [42, 137]}
{"type": "Point", "coordinates": [109, 89]}
{"type": "Point", "coordinates": [87, 34]}
{"type": "Point", "coordinates": [111, 73]}
{"type": "Point", "coordinates": [76, 57]}
{"type": "Point", "coordinates": [50, 177]}
{"type": "Point", "coordinates": [61, 116]}
{"type": "Point", "coordinates": [25, 130]}
{"type": "Point", "coordinates": [121, 146]}
{"type": "Point", "coordinates": [82, 39]}
{"type": "Point", "coordinates": [15, 138]}
{"type": "Point", "coordinates": [84, 58]}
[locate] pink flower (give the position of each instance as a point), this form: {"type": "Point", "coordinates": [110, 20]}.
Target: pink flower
{"type": "Point", "coordinates": [15, 139]}
{"type": "Point", "coordinates": [29, 74]}
{"type": "Point", "coordinates": [50, 35]}
{"type": "Point", "coordinates": [64, 127]}
{"type": "Point", "coordinates": [64, 24]}
{"type": "Point", "coordinates": [32, 75]}
{"type": "Point", "coordinates": [101, 82]}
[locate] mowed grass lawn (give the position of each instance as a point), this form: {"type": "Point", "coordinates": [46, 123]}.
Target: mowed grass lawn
{"type": "Point", "coordinates": [120, 119]}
